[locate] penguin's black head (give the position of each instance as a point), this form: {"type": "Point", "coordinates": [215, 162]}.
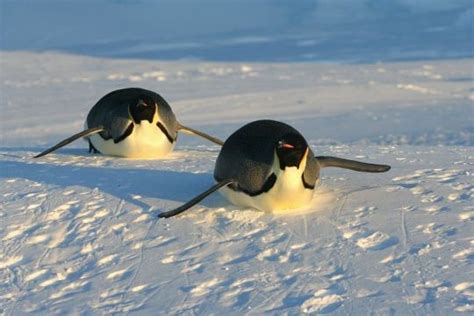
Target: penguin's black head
{"type": "Point", "coordinates": [290, 150]}
{"type": "Point", "coordinates": [143, 108]}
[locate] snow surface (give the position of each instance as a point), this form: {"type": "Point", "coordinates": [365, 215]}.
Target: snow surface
{"type": "Point", "coordinates": [242, 30]}
{"type": "Point", "coordinates": [79, 232]}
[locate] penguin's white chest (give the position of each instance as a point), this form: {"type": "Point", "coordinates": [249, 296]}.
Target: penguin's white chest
{"type": "Point", "coordinates": [288, 192]}
{"type": "Point", "coordinates": [145, 141]}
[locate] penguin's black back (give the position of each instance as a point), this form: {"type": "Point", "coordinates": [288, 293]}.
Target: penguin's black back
{"type": "Point", "coordinates": [111, 111]}
{"type": "Point", "coordinates": [247, 155]}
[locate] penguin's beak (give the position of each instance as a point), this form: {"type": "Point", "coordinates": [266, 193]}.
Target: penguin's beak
{"type": "Point", "coordinates": [142, 104]}
{"type": "Point", "coordinates": [289, 154]}
{"type": "Point", "coordinates": [287, 146]}
{"type": "Point", "coordinates": [142, 111]}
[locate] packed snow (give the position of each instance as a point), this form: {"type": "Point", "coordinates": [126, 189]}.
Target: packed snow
{"type": "Point", "coordinates": [243, 30]}
{"type": "Point", "coordinates": [79, 232]}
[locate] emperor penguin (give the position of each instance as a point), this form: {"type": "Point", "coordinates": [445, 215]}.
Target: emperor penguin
{"type": "Point", "coordinates": [269, 166]}
{"type": "Point", "coordinates": [131, 122]}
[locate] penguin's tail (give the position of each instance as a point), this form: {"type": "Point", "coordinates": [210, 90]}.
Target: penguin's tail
{"type": "Point", "coordinates": [192, 131]}
{"type": "Point", "coordinates": [195, 200]}
{"type": "Point", "coordinates": [68, 140]}
{"type": "Point", "coordinates": [326, 161]}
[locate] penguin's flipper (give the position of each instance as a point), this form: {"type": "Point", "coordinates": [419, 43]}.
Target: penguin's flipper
{"type": "Point", "coordinates": [195, 200]}
{"type": "Point", "coordinates": [190, 130]}
{"type": "Point", "coordinates": [85, 133]}
{"type": "Point", "coordinates": [351, 164]}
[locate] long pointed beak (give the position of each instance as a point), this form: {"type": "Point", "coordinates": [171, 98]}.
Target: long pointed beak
{"type": "Point", "coordinates": [287, 146]}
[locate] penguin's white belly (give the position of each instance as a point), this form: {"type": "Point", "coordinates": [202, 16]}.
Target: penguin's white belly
{"type": "Point", "coordinates": [145, 141]}
{"type": "Point", "coordinates": [288, 192]}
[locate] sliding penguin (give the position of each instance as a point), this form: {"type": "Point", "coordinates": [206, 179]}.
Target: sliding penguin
{"type": "Point", "coordinates": [268, 165]}
{"type": "Point", "coordinates": [131, 122]}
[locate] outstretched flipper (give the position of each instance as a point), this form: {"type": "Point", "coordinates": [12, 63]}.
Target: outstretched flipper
{"type": "Point", "coordinates": [203, 135]}
{"type": "Point", "coordinates": [85, 133]}
{"type": "Point", "coordinates": [195, 200]}
{"type": "Point", "coordinates": [351, 164]}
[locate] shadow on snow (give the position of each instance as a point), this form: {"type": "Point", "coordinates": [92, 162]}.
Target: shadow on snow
{"type": "Point", "coordinates": [119, 182]}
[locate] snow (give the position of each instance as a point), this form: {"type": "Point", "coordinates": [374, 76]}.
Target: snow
{"type": "Point", "coordinates": [79, 232]}
{"type": "Point", "coordinates": [244, 30]}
